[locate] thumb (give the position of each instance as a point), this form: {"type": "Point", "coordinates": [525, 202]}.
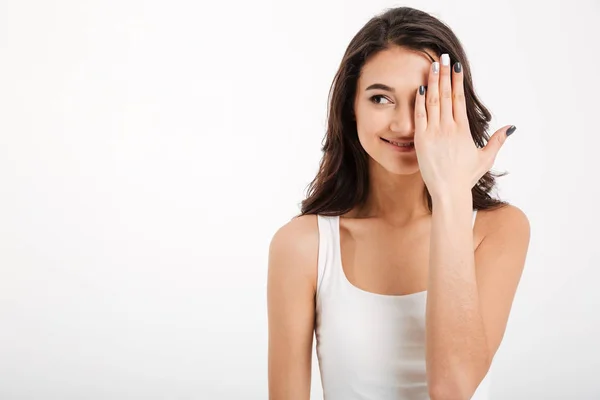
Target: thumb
{"type": "Point", "coordinates": [497, 140]}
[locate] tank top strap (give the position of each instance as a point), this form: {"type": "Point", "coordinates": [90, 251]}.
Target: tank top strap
{"type": "Point", "coordinates": [329, 233]}
{"type": "Point", "coordinates": [474, 216]}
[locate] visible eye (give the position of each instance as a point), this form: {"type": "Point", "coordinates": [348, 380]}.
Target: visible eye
{"type": "Point", "coordinates": [373, 99]}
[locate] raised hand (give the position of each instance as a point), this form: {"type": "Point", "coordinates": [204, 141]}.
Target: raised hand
{"type": "Point", "coordinates": [447, 155]}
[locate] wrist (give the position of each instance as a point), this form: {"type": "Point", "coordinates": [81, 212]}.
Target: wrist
{"type": "Point", "coordinates": [452, 198]}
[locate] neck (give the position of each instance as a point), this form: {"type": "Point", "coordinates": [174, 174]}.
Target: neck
{"type": "Point", "coordinates": [396, 198]}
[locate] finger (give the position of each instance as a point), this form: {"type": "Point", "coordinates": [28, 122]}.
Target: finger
{"type": "Point", "coordinates": [446, 117]}
{"type": "Point", "coordinates": [495, 143]}
{"type": "Point", "coordinates": [420, 111]}
{"type": "Point", "coordinates": [459, 105]}
{"type": "Point", "coordinates": [432, 99]}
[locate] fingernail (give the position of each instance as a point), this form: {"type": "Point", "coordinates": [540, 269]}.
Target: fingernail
{"type": "Point", "coordinates": [445, 59]}
{"type": "Point", "coordinates": [436, 67]}
{"type": "Point", "coordinates": [457, 67]}
{"type": "Point", "coordinates": [421, 89]}
{"type": "Point", "coordinates": [511, 130]}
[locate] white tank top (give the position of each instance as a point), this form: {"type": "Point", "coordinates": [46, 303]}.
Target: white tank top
{"type": "Point", "coordinates": [369, 346]}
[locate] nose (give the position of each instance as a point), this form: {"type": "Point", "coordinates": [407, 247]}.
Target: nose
{"type": "Point", "coordinates": [402, 119]}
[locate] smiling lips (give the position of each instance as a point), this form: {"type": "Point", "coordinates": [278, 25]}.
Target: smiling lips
{"type": "Point", "coordinates": [404, 144]}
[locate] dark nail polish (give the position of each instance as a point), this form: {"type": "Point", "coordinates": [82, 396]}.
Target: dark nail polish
{"type": "Point", "coordinates": [421, 89]}
{"type": "Point", "coordinates": [511, 130]}
{"type": "Point", "coordinates": [457, 67]}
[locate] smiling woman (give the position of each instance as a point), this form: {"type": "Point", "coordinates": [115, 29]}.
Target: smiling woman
{"type": "Point", "coordinates": [397, 65]}
{"type": "Point", "coordinates": [401, 262]}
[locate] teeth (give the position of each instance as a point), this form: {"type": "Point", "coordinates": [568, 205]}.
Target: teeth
{"type": "Point", "coordinates": [402, 144]}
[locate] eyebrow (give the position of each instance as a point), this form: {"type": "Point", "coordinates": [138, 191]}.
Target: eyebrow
{"type": "Point", "coordinates": [380, 86]}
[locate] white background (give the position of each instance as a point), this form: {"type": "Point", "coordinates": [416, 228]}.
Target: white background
{"type": "Point", "coordinates": [150, 149]}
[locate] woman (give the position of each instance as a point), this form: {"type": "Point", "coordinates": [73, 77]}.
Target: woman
{"type": "Point", "coordinates": [407, 286]}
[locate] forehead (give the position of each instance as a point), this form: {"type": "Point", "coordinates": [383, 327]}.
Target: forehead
{"type": "Point", "coordinates": [396, 66]}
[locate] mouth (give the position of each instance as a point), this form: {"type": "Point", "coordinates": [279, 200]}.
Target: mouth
{"type": "Point", "coordinates": [400, 144]}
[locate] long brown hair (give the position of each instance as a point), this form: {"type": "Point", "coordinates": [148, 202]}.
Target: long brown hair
{"type": "Point", "coordinates": [342, 181]}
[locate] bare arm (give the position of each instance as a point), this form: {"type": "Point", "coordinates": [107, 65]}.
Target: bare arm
{"type": "Point", "coordinates": [471, 293]}
{"type": "Point", "coordinates": [291, 284]}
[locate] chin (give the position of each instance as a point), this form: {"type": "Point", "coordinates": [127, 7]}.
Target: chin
{"type": "Point", "coordinates": [396, 169]}
{"type": "Point", "coordinates": [385, 157]}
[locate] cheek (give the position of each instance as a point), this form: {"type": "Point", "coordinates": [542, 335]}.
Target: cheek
{"type": "Point", "coordinates": [371, 124]}
{"type": "Point", "coordinates": [369, 130]}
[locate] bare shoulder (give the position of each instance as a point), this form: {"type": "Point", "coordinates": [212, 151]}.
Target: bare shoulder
{"type": "Point", "coordinates": [508, 220]}
{"type": "Point", "coordinates": [291, 283]}
{"type": "Point", "coordinates": [295, 246]}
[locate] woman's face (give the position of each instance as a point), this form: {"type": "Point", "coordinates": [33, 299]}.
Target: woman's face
{"type": "Point", "coordinates": [384, 106]}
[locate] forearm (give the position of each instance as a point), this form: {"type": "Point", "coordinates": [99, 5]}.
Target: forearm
{"type": "Point", "coordinates": [457, 354]}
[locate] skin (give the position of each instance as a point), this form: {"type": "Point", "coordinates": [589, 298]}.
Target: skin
{"type": "Point", "coordinates": [393, 245]}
